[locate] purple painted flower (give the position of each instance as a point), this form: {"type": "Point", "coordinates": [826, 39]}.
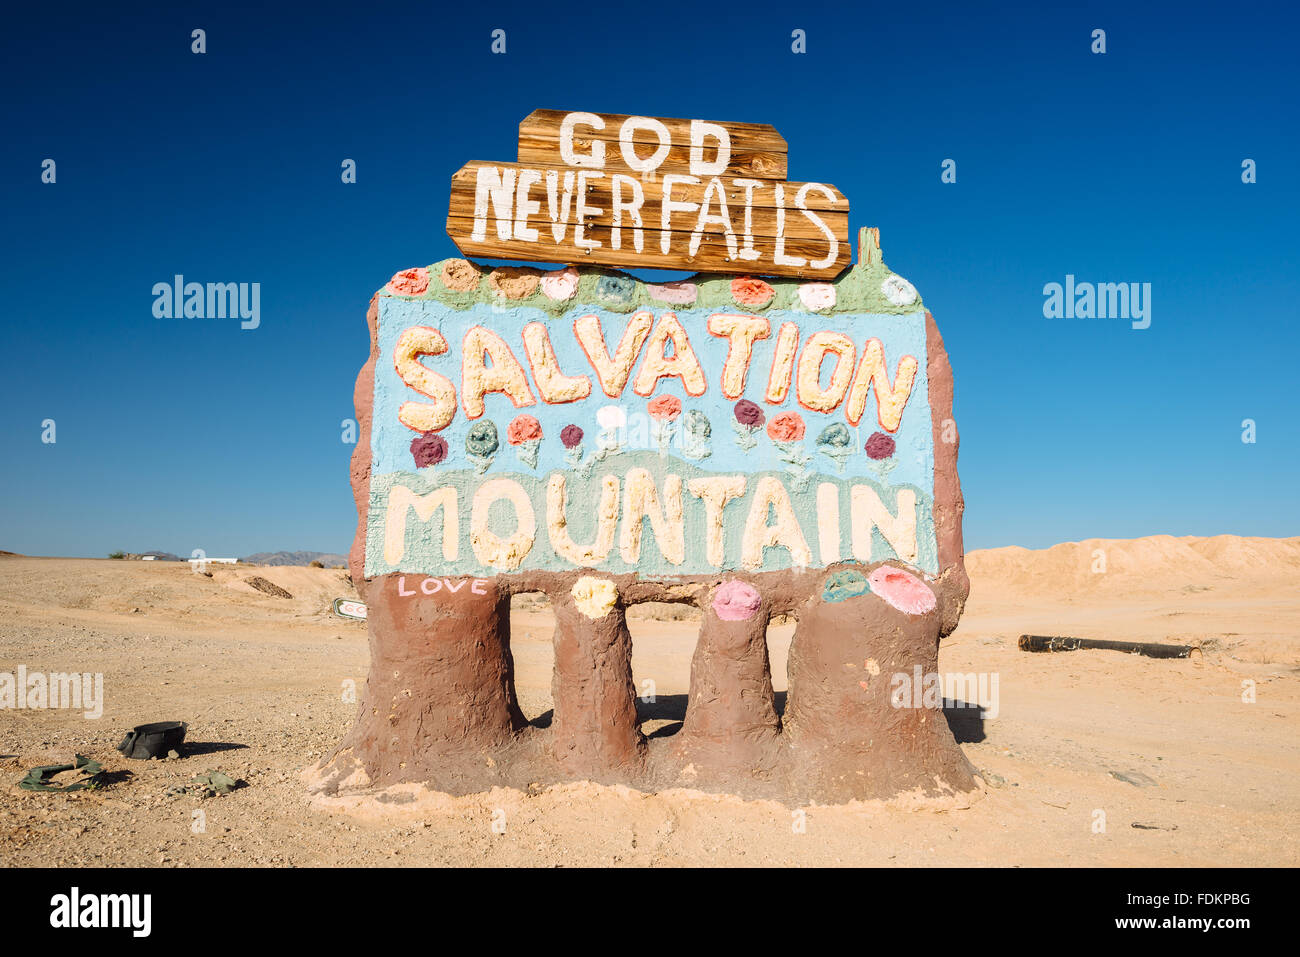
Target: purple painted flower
{"type": "Point", "coordinates": [571, 436]}
{"type": "Point", "coordinates": [879, 446]}
{"type": "Point", "coordinates": [748, 413]}
{"type": "Point", "coordinates": [428, 448]}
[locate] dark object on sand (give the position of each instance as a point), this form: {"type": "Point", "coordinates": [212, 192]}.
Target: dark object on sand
{"type": "Point", "coordinates": [267, 588]}
{"type": "Point", "coordinates": [1150, 649]}
{"type": "Point", "coordinates": [153, 740]}
{"type": "Point", "coordinates": [38, 779]}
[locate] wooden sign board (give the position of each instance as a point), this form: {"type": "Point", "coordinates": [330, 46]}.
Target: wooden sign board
{"type": "Point", "coordinates": [639, 191]}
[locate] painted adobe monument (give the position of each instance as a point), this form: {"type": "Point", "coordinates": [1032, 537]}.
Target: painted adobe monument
{"type": "Point", "coordinates": [771, 437]}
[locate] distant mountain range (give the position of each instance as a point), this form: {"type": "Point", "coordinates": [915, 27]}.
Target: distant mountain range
{"type": "Point", "coordinates": [328, 559]}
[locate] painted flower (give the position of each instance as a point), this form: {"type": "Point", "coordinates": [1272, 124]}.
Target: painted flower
{"type": "Point", "coordinates": [611, 417]}
{"type": "Point", "coordinates": [736, 601]}
{"type": "Point", "coordinates": [513, 282]}
{"type": "Point", "coordinates": [844, 584]}
{"type": "Point", "coordinates": [817, 295]}
{"type": "Point", "coordinates": [697, 431]}
{"type": "Point", "coordinates": [835, 442]}
{"type": "Point", "coordinates": [903, 590]}
{"type": "Point", "coordinates": [674, 293]}
{"type": "Point", "coordinates": [749, 413]}
{"type": "Point", "coordinates": [571, 436]}
{"type": "Point", "coordinates": [748, 418]}
{"type": "Point", "coordinates": [523, 428]}
{"type": "Point", "coordinates": [663, 414]}
{"type": "Point", "coordinates": [618, 289]}
{"type": "Point", "coordinates": [460, 275]}
{"type": "Point", "coordinates": [410, 282]}
{"type": "Point", "coordinates": [571, 439]}
{"type": "Point", "coordinates": [481, 442]}
{"type": "Point", "coordinates": [898, 290]}
{"type": "Point", "coordinates": [482, 438]}
{"type": "Point", "coordinates": [880, 446]}
{"type": "Point", "coordinates": [786, 427]}
{"type": "Point", "coordinates": [748, 291]}
{"type": "Point", "coordinates": [594, 596]}
{"type": "Point", "coordinates": [786, 430]}
{"type": "Point", "coordinates": [428, 448]}
{"type": "Point", "coordinates": [525, 433]}
{"type": "Point", "coordinates": [666, 407]}
{"type": "Point", "coordinates": [561, 284]}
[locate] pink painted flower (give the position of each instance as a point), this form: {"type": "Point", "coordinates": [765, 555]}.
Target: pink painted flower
{"type": "Point", "coordinates": [748, 291]}
{"type": "Point", "coordinates": [675, 293]}
{"type": "Point", "coordinates": [522, 429]}
{"type": "Point", "coordinates": [817, 295]}
{"type": "Point", "coordinates": [410, 282]}
{"type": "Point", "coordinates": [902, 589]}
{"type": "Point", "coordinates": [561, 284]}
{"type": "Point", "coordinates": [786, 427]}
{"type": "Point", "coordinates": [736, 601]}
{"type": "Point", "coordinates": [666, 407]}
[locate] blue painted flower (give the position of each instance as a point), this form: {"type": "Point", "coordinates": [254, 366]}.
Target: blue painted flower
{"type": "Point", "coordinates": [844, 584]}
{"type": "Point", "coordinates": [482, 442]}
{"type": "Point", "coordinates": [619, 289]}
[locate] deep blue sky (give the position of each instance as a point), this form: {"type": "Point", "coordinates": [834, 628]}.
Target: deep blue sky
{"type": "Point", "coordinates": [176, 434]}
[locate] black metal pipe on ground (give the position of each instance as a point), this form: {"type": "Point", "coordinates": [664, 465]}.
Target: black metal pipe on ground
{"type": "Point", "coordinates": [1149, 649]}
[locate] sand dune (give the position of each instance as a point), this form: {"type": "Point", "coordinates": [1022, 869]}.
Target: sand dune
{"type": "Point", "coordinates": [1156, 564]}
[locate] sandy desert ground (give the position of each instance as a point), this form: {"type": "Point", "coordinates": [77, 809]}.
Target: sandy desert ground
{"type": "Point", "coordinates": [260, 679]}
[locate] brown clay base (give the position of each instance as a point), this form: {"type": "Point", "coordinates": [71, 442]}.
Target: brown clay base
{"type": "Point", "coordinates": [440, 708]}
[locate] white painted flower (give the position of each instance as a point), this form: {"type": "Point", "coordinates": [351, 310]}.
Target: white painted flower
{"type": "Point", "coordinates": [898, 290]}
{"type": "Point", "coordinates": [817, 295]}
{"type": "Point", "coordinates": [611, 417]}
{"type": "Point", "coordinates": [594, 596]}
{"type": "Point", "coordinates": [561, 284]}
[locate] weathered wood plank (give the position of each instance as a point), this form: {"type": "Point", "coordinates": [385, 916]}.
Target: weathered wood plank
{"type": "Point", "coordinates": [600, 185]}
{"type": "Point", "coordinates": [762, 220]}
{"type": "Point", "coordinates": [757, 150]}
{"type": "Point", "coordinates": [483, 219]}
{"type": "Point", "coordinates": [814, 247]}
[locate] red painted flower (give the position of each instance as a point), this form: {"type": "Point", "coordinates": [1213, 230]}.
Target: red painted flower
{"type": "Point", "coordinates": [410, 282]}
{"type": "Point", "coordinates": [666, 407]}
{"type": "Point", "coordinates": [749, 291]}
{"type": "Point", "coordinates": [786, 427]}
{"type": "Point", "coordinates": [523, 428]}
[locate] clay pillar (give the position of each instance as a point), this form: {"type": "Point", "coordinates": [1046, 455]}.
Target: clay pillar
{"type": "Point", "coordinates": [731, 710]}
{"type": "Point", "coordinates": [847, 737]}
{"type": "Point", "coordinates": [594, 732]}
{"type": "Point", "coordinates": [441, 680]}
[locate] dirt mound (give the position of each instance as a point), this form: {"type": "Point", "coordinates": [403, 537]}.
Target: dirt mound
{"type": "Point", "coordinates": [1158, 564]}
